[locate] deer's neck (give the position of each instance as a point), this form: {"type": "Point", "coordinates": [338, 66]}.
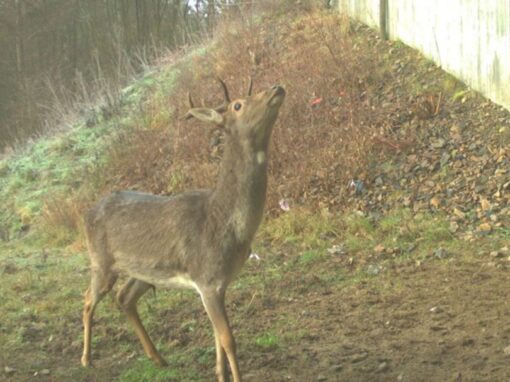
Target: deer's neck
{"type": "Point", "coordinates": [240, 193]}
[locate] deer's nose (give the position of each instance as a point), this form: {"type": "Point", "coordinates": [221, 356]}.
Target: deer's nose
{"type": "Point", "coordinates": [277, 89]}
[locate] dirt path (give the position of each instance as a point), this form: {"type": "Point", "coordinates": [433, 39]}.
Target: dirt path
{"type": "Point", "coordinates": [440, 322]}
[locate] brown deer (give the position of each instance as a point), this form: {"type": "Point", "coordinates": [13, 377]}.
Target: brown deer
{"type": "Point", "coordinates": [198, 239]}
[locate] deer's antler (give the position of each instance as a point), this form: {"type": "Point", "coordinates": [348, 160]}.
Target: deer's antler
{"type": "Point", "coordinates": [250, 86]}
{"type": "Point", "coordinates": [191, 106]}
{"type": "Point", "coordinates": [220, 109]}
{"type": "Point", "coordinates": [190, 100]}
{"type": "Point", "coordinates": [223, 107]}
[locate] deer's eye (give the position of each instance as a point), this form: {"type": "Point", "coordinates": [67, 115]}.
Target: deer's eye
{"type": "Point", "coordinates": [237, 106]}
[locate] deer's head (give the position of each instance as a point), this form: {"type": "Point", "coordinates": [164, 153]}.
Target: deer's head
{"type": "Point", "coordinates": [250, 120]}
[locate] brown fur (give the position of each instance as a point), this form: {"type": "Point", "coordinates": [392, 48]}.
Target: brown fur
{"type": "Point", "coordinates": [198, 239]}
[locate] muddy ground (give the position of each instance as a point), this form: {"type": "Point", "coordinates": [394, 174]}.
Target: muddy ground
{"type": "Point", "coordinates": [438, 320]}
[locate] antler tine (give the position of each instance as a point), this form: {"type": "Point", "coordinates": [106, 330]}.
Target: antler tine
{"type": "Point", "coordinates": [191, 105]}
{"type": "Point", "coordinates": [223, 107]}
{"type": "Point", "coordinates": [225, 91]}
{"type": "Point", "coordinates": [190, 100]}
{"type": "Point", "coordinates": [250, 86]}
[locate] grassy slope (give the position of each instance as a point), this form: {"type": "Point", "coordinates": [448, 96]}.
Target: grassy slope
{"type": "Point", "coordinates": [43, 278]}
{"type": "Point", "coordinates": [69, 164]}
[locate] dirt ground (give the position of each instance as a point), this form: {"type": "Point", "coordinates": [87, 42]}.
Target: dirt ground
{"type": "Point", "coordinates": [437, 323]}
{"type": "Point", "coordinates": [442, 320]}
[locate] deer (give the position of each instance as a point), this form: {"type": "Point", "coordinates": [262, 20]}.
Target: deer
{"type": "Point", "coordinates": [197, 239]}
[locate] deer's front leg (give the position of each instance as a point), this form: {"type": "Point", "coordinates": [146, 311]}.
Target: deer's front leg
{"type": "Point", "coordinates": [214, 303]}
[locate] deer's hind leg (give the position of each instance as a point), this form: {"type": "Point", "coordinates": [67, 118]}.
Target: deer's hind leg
{"type": "Point", "coordinates": [101, 283]}
{"type": "Point", "coordinates": [127, 298]}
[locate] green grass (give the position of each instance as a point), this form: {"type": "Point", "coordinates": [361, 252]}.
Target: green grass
{"type": "Point", "coordinates": [144, 370]}
{"type": "Point", "coordinates": [400, 229]}
{"type": "Point", "coordinates": [302, 227]}
{"type": "Point", "coordinates": [310, 256]}
{"type": "Point", "coordinates": [267, 341]}
{"type": "Point", "coordinates": [42, 292]}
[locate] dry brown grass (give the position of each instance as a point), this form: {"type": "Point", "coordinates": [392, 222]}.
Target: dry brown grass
{"type": "Point", "coordinates": [63, 218]}
{"type": "Point", "coordinates": [323, 137]}
{"type": "Point", "coordinates": [326, 131]}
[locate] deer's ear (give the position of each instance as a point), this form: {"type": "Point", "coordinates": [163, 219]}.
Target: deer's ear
{"type": "Point", "coordinates": [206, 115]}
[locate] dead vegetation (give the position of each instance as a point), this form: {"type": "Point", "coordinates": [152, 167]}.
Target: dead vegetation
{"type": "Point", "coordinates": [326, 130]}
{"type": "Point", "coordinates": [355, 104]}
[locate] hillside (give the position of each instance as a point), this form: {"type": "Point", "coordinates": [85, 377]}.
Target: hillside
{"type": "Point", "coordinates": [392, 262]}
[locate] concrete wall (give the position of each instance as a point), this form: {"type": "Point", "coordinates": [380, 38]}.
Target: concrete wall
{"type": "Point", "coordinates": [468, 38]}
{"type": "Point", "coordinates": [367, 11]}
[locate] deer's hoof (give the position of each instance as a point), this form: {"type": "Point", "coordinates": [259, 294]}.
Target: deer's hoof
{"type": "Point", "coordinates": [85, 361]}
{"type": "Point", "coordinates": [222, 376]}
{"type": "Point", "coordinates": [160, 362]}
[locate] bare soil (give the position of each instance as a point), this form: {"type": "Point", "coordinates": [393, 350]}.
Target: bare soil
{"type": "Point", "coordinates": [439, 320]}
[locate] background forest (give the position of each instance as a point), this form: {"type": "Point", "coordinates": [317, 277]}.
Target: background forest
{"type": "Point", "coordinates": [62, 55]}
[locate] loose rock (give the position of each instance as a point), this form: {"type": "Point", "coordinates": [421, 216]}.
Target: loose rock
{"type": "Point", "coordinates": [441, 253]}
{"type": "Point", "coordinates": [383, 366]}
{"type": "Point", "coordinates": [359, 357]}
{"type": "Point", "coordinates": [374, 269]}
{"type": "Point", "coordinates": [337, 250]}
{"type": "Point", "coordinates": [337, 368]}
